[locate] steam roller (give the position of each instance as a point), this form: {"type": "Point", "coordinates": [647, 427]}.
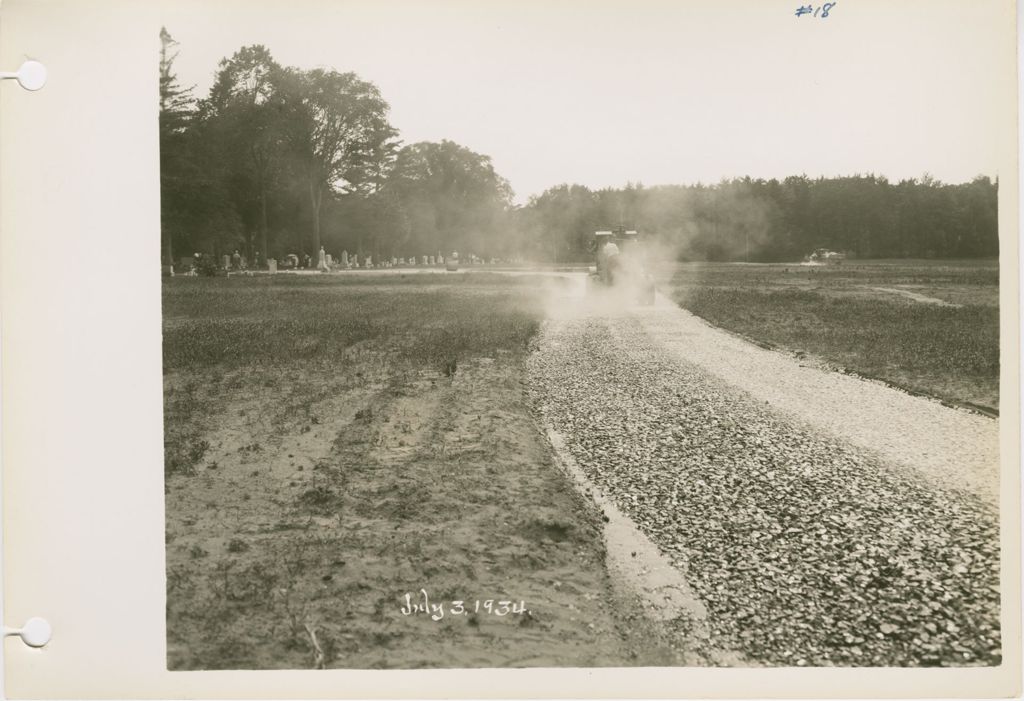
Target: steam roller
{"type": "Point", "coordinates": [621, 266]}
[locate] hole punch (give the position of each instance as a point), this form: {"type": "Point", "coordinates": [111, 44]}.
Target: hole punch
{"type": "Point", "coordinates": [31, 75]}
{"type": "Point", "coordinates": [35, 633]}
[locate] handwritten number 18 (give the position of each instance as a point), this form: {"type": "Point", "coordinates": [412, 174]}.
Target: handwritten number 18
{"type": "Point", "coordinates": [809, 9]}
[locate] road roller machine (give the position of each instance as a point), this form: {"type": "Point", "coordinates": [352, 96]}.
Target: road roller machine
{"type": "Point", "coordinates": [621, 265]}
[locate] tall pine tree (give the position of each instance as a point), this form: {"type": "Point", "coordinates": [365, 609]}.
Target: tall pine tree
{"type": "Point", "coordinates": [177, 107]}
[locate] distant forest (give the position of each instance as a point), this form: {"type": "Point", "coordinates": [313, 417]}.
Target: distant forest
{"type": "Point", "coordinates": [277, 160]}
{"type": "Point", "coordinates": [771, 220]}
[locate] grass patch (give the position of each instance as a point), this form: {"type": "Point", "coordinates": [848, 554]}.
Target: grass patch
{"type": "Point", "coordinates": [231, 322]}
{"type": "Point", "coordinates": [837, 314]}
{"type": "Point", "coordinates": [275, 327]}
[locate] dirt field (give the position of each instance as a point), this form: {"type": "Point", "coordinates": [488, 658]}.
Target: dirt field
{"type": "Point", "coordinates": [336, 444]}
{"type": "Point", "coordinates": [926, 326]}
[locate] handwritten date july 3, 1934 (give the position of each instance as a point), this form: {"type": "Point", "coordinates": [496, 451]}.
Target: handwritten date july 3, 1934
{"type": "Point", "coordinates": [421, 603]}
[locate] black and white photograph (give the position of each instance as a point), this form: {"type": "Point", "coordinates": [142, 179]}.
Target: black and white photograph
{"type": "Point", "coordinates": [581, 334]}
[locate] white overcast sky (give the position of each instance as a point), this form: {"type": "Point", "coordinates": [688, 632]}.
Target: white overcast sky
{"type": "Point", "coordinates": [654, 91]}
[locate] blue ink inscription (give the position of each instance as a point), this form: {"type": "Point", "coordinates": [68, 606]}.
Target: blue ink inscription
{"type": "Point", "coordinates": [821, 11]}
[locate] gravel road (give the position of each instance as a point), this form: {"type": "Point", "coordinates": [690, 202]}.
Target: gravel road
{"type": "Point", "coordinates": [952, 447]}
{"type": "Point", "coordinates": [821, 519]}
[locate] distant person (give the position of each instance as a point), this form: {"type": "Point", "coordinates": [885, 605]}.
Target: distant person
{"type": "Point", "coordinates": [607, 260]}
{"type": "Point", "coordinates": [236, 261]}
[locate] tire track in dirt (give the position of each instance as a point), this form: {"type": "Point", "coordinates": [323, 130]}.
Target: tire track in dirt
{"type": "Point", "coordinates": [360, 492]}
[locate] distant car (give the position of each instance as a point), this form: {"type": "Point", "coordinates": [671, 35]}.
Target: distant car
{"type": "Point", "coordinates": [824, 255]}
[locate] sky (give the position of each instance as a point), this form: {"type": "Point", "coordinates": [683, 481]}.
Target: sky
{"type": "Point", "coordinates": [603, 93]}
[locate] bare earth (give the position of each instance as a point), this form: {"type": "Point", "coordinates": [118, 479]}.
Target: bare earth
{"type": "Point", "coordinates": [319, 506]}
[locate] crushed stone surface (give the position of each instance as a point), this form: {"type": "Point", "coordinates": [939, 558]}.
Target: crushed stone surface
{"type": "Point", "coordinates": [951, 447]}
{"type": "Point", "coordinates": [810, 540]}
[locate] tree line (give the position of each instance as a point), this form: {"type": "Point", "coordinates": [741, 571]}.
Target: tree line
{"type": "Point", "coordinates": [278, 160]}
{"type": "Point", "coordinates": [865, 216]}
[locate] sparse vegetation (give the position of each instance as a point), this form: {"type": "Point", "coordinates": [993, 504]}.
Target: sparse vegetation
{"type": "Point", "coordinates": [237, 545]}
{"type": "Point", "coordinates": [266, 321]}
{"type": "Point", "coordinates": [373, 438]}
{"type": "Point", "coordinates": [852, 316]}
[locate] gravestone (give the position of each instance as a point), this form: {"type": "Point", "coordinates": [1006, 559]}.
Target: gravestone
{"type": "Point", "coordinates": [423, 260]}
{"type": "Point", "coordinates": [225, 262]}
{"type": "Point", "coordinates": [368, 263]}
{"type": "Point", "coordinates": [330, 261]}
{"type": "Point", "coordinates": [272, 265]}
{"type": "Point", "coordinates": [431, 260]}
{"type": "Point", "coordinates": [344, 259]}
